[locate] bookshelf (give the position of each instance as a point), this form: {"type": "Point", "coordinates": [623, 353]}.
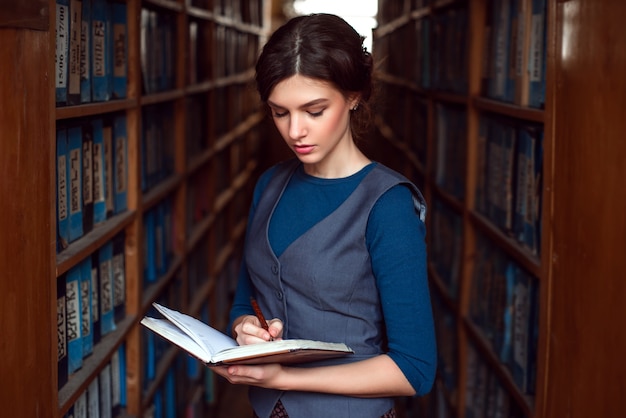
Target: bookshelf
{"type": "Point", "coordinates": [471, 124]}
{"type": "Point", "coordinates": [577, 265]}
{"type": "Point", "coordinates": [180, 128]}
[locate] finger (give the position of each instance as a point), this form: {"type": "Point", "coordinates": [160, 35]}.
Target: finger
{"type": "Point", "coordinates": [276, 328]}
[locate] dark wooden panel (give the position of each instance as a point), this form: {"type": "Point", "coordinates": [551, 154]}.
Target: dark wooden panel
{"type": "Point", "coordinates": [27, 352]}
{"type": "Point", "coordinates": [587, 366]}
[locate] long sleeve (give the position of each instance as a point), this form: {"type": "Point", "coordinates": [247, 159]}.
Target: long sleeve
{"type": "Point", "coordinates": [396, 240]}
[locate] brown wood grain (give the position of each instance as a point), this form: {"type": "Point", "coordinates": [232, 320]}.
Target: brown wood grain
{"type": "Point", "coordinates": [587, 341]}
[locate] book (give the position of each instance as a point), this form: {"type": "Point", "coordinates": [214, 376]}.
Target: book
{"type": "Point", "coordinates": [73, 80]}
{"type": "Point", "coordinates": [99, 172]}
{"type": "Point", "coordinates": [85, 53]}
{"type": "Point", "coordinates": [119, 45]}
{"type": "Point", "coordinates": [214, 348]}
{"type": "Point", "coordinates": [73, 320]}
{"type": "Point", "coordinates": [105, 274]}
{"type": "Point", "coordinates": [119, 278]}
{"type": "Point", "coordinates": [87, 157]}
{"type": "Point", "coordinates": [100, 55]}
{"type": "Point", "coordinates": [75, 150]}
{"type": "Point", "coordinates": [62, 175]}
{"type": "Point", "coordinates": [62, 31]}
{"type": "Point", "coordinates": [95, 297]}
{"type": "Point", "coordinates": [86, 306]}
{"type": "Point", "coordinates": [61, 333]}
{"type": "Point", "coordinates": [120, 164]}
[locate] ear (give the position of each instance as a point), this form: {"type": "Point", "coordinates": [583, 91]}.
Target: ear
{"type": "Point", "coordinates": [353, 101]}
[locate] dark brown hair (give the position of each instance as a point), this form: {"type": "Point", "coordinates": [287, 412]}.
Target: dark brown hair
{"type": "Point", "coordinates": [323, 47]}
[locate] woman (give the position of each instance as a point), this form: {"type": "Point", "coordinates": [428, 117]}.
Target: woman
{"type": "Point", "coordinates": [335, 247]}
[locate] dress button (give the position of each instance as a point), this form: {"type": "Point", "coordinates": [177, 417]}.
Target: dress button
{"type": "Point", "coordinates": [275, 269]}
{"type": "Point", "coordinates": [279, 295]}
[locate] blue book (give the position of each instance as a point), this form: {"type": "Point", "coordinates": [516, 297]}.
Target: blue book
{"type": "Point", "coordinates": [100, 55]}
{"type": "Point", "coordinates": [87, 157]}
{"type": "Point", "coordinates": [99, 174]}
{"type": "Point", "coordinates": [109, 168]}
{"type": "Point", "coordinates": [537, 55]}
{"type": "Point", "coordinates": [62, 176]}
{"type": "Point", "coordinates": [73, 312]}
{"type": "Point", "coordinates": [170, 394]}
{"type": "Point", "coordinates": [149, 357]}
{"type": "Point", "coordinates": [119, 278]}
{"type": "Point", "coordinates": [75, 147]}
{"type": "Point", "coordinates": [73, 77]}
{"type": "Point", "coordinates": [120, 49]}
{"type": "Point", "coordinates": [86, 306]}
{"type": "Point", "coordinates": [61, 57]}
{"type": "Point", "coordinates": [85, 53]}
{"type": "Point", "coordinates": [95, 297]}
{"type": "Point", "coordinates": [120, 163]}
{"type": "Point", "coordinates": [62, 365]}
{"type": "Point", "coordinates": [105, 258]}
{"type": "Point", "coordinates": [123, 387]}
{"type": "Point", "coordinates": [150, 268]}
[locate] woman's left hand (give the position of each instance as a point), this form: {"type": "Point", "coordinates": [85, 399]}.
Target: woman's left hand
{"type": "Point", "coordinates": [266, 375]}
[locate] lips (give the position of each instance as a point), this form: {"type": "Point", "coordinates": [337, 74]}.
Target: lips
{"type": "Point", "coordinates": [303, 149]}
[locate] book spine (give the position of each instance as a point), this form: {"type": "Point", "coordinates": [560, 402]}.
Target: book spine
{"type": "Point", "coordinates": [99, 174]}
{"type": "Point", "coordinates": [101, 76]}
{"type": "Point", "coordinates": [80, 406]}
{"type": "Point", "coordinates": [93, 399]}
{"type": "Point", "coordinates": [120, 49]}
{"type": "Point", "coordinates": [95, 297]}
{"type": "Point", "coordinates": [75, 146]}
{"type": "Point", "coordinates": [73, 82]}
{"type": "Point", "coordinates": [105, 392]}
{"type": "Point", "coordinates": [115, 383]}
{"type": "Point", "coordinates": [105, 258]}
{"type": "Point", "coordinates": [85, 53]}
{"type": "Point", "coordinates": [119, 278]}
{"type": "Point", "coordinates": [62, 352]}
{"type": "Point", "coordinates": [62, 174]}
{"type": "Point", "coordinates": [86, 306]}
{"type": "Point", "coordinates": [88, 173]}
{"type": "Point", "coordinates": [120, 163]}
{"type": "Point", "coordinates": [73, 311]}
{"type": "Point", "coordinates": [61, 57]}
{"type": "Point", "coordinates": [537, 58]}
{"type": "Point", "coordinates": [109, 169]}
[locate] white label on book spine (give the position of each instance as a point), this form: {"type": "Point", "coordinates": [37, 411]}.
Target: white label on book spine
{"type": "Point", "coordinates": [61, 330]}
{"type": "Point", "coordinates": [105, 282]}
{"type": "Point", "coordinates": [99, 59]}
{"type": "Point", "coordinates": [87, 172]}
{"type": "Point", "coordinates": [98, 185]}
{"type": "Point", "coordinates": [120, 164]}
{"type": "Point", "coordinates": [62, 187]}
{"type": "Point", "coordinates": [119, 50]}
{"type": "Point", "coordinates": [73, 312]}
{"type": "Point", "coordinates": [74, 61]}
{"type": "Point", "coordinates": [84, 50]}
{"type": "Point", "coordinates": [61, 45]}
{"type": "Point", "coordinates": [536, 48]}
{"type": "Point", "coordinates": [95, 314]}
{"type": "Point", "coordinates": [119, 292]}
{"type": "Point", "coordinates": [75, 181]}
{"type": "Point", "coordinates": [85, 314]}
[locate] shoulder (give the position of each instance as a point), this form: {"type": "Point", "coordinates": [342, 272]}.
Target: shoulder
{"type": "Point", "coordinates": [401, 193]}
{"type": "Point", "coordinates": [268, 175]}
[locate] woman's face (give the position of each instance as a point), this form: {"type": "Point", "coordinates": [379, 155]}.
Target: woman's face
{"type": "Point", "coordinates": [313, 118]}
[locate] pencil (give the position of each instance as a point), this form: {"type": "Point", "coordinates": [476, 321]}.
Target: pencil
{"type": "Point", "coordinates": [259, 314]}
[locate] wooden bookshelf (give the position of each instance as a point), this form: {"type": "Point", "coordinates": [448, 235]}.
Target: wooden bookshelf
{"type": "Point", "coordinates": [433, 125]}
{"type": "Point", "coordinates": [576, 267]}
{"type": "Point", "coordinates": [203, 94]}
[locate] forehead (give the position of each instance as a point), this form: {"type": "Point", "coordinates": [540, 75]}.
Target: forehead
{"type": "Point", "coordinates": [298, 90]}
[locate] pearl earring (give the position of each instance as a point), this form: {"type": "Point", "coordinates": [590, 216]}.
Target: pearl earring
{"type": "Point", "coordinates": [356, 106]}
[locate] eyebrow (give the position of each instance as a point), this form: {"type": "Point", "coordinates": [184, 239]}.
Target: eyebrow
{"type": "Point", "coordinates": [305, 105]}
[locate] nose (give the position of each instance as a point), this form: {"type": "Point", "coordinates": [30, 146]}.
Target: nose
{"type": "Point", "coordinates": [297, 126]}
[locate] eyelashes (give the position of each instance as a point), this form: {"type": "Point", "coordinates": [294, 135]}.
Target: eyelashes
{"type": "Point", "coordinates": [279, 115]}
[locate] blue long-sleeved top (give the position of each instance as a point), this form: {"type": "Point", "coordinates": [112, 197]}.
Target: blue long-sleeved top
{"type": "Point", "coordinates": [395, 239]}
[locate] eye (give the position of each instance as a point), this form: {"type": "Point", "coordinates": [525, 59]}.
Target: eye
{"type": "Point", "coordinates": [278, 114]}
{"type": "Point", "coordinates": [316, 114]}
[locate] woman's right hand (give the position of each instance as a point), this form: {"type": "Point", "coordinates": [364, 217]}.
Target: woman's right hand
{"type": "Point", "coordinates": [247, 329]}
